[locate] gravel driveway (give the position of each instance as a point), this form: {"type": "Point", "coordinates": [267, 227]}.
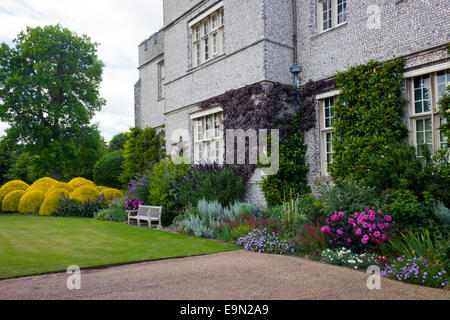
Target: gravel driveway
{"type": "Point", "coordinates": [230, 276]}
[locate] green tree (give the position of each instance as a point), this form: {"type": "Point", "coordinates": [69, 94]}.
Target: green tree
{"type": "Point", "coordinates": [108, 169]}
{"type": "Point", "coordinates": [49, 91]}
{"type": "Point", "coordinates": [143, 149]}
{"type": "Point", "coordinates": [118, 142]}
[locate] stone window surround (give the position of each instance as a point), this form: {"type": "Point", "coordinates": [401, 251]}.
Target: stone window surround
{"type": "Point", "coordinates": [194, 41]}
{"type": "Point", "coordinates": [433, 114]}
{"type": "Point", "coordinates": [324, 130]}
{"type": "Point", "coordinates": [198, 121]}
{"type": "Point", "coordinates": [334, 16]}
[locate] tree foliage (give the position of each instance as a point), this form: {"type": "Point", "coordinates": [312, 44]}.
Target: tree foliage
{"type": "Point", "coordinates": [118, 142]}
{"type": "Point", "coordinates": [49, 91]}
{"type": "Point", "coordinates": [143, 149]}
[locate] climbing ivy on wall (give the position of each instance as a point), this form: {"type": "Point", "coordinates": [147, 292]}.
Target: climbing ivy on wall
{"type": "Point", "coordinates": [274, 106]}
{"type": "Point", "coordinates": [368, 115]}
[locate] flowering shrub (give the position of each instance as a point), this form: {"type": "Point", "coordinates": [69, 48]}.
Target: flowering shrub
{"type": "Point", "coordinates": [232, 230]}
{"type": "Point", "coordinates": [362, 232]}
{"type": "Point", "coordinates": [417, 271]}
{"type": "Point", "coordinates": [263, 241]}
{"type": "Point", "coordinates": [133, 204]}
{"type": "Point", "coordinates": [345, 257]}
{"type": "Point", "coordinates": [138, 188]}
{"type": "Point", "coordinates": [310, 242]}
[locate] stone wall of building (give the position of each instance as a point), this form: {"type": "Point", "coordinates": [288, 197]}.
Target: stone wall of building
{"type": "Point", "coordinates": [406, 27]}
{"type": "Point", "coordinates": [149, 109]}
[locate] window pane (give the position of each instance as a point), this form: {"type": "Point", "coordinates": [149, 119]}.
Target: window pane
{"type": "Point", "coordinates": [428, 125]}
{"type": "Point", "coordinates": [419, 107]}
{"type": "Point", "coordinates": [419, 124]}
{"type": "Point", "coordinates": [426, 106]}
{"type": "Point", "coordinates": [420, 138]}
{"type": "Point", "coordinates": [417, 94]}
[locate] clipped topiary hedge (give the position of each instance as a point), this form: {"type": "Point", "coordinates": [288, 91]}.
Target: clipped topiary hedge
{"type": "Point", "coordinates": [31, 202]}
{"type": "Point", "coordinates": [11, 202]}
{"type": "Point", "coordinates": [108, 169]}
{"type": "Point", "coordinates": [12, 186]}
{"type": "Point", "coordinates": [110, 194]}
{"type": "Point", "coordinates": [51, 202]}
{"type": "Point", "coordinates": [60, 186]}
{"type": "Point", "coordinates": [84, 193]}
{"type": "Point", "coordinates": [78, 182]}
{"type": "Point", "coordinates": [43, 184]}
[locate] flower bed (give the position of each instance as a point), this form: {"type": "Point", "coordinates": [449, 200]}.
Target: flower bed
{"type": "Point", "coordinates": [417, 271]}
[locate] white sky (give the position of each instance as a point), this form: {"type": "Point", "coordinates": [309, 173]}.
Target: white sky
{"type": "Point", "coordinates": [119, 26]}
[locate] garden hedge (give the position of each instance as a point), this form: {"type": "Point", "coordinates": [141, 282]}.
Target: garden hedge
{"type": "Point", "coordinates": [111, 194]}
{"type": "Point", "coordinates": [43, 184]}
{"type": "Point", "coordinates": [51, 202]}
{"type": "Point", "coordinates": [78, 182]}
{"type": "Point", "coordinates": [84, 193]}
{"type": "Point", "coordinates": [12, 186]}
{"type": "Point", "coordinates": [60, 186]}
{"type": "Point", "coordinates": [108, 169]}
{"type": "Point", "coordinates": [31, 202]}
{"type": "Point", "coordinates": [11, 202]}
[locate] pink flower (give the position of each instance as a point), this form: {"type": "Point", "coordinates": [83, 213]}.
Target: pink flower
{"type": "Point", "coordinates": [366, 225]}
{"type": "Point", "coordinates": [384, 237]}
{"type": "Point", "coordinates": [377, 234]}
{"type": "Point", "coordinates": [388, 218]}
{"type": "Point", "coordinates": [326, 229]}
{"type": "Point", "coordinates": [359, 232]}
{"type": "Point", "coordinates": [340, 232]}
{"type": "Point", "coordinates": [341, 214]}
{"type": "Point", "coordinates": [381, 226]}
{"type": "Point", "coordinates": [356, 215]}
{"type": "Point", "coordinates": [351, 221]}
{"type": "Point", "coordinates": [365, 239]}
{"type": "Point", "coordinates": [349, 241]}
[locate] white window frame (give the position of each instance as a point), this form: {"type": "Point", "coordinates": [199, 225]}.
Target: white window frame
{"type": "Point", "coordinates": [325, 130]}
{"type": "Point", "coordinates": [209, 145]}
{"type": "Point", "coordinates": [433, 114]}
{"type": "Point", "coordinates": [334, 14]}
{"type": "Point", "coordinates": [211, 42]}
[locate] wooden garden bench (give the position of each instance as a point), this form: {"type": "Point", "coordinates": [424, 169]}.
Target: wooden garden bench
{"type": "Point", "coordinates": [146, 213]}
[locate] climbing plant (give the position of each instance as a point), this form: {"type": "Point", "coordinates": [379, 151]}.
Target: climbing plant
{"type": "Point", "coordinates": [274, 106]}
{"type": "Point", "coordinates": [368, 116]}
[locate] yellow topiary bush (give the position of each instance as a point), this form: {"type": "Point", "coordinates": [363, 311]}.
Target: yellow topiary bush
{"type": "Point", "coordinates": [43, 184]}
{"type": "Point", "coordinates": [78, 182]}
{"type": "Point", "coordinates": [84, 193]}
{"type": "Point", "coordinates": [31, 202]}
{"type": "Point", "coordinates": [11, 202]}
{"type": "Point", "coordinates": [110, 193]}
{"type": "Point", "coordinates": [101, 188]}
{"type": "Point", "coordinates": [51, 202]}
{"type": "Point", "coordinates": [12, 186]}
{"type": "Point", "coordinates": [60, 186]}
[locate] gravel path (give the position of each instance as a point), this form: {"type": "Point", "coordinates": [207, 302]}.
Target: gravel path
{"type": "Point", "coordinates": [229, 276]}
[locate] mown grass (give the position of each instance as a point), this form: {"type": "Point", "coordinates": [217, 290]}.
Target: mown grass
{"type": "Point", "coordinates": [32, 245]}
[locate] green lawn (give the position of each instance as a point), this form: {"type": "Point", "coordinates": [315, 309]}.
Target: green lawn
{"type": "Point", "coordinates": [33, 245]}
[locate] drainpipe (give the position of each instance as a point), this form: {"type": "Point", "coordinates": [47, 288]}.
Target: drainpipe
{"type": "Point", "coordinates": [295, 69]}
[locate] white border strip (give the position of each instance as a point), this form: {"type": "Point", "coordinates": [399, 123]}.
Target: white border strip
{"type": "Point", "coordinates": [419, 72]}
{"type": "Point", "coordinates": [206, 113]}
{"type": "Point", "coordinates": [328, 94]}
{"type": "Point", "coordinates": [205, 14]}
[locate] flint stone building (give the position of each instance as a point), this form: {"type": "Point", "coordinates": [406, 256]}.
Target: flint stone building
{"type": "Point", "coordinates": [208, 47]}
